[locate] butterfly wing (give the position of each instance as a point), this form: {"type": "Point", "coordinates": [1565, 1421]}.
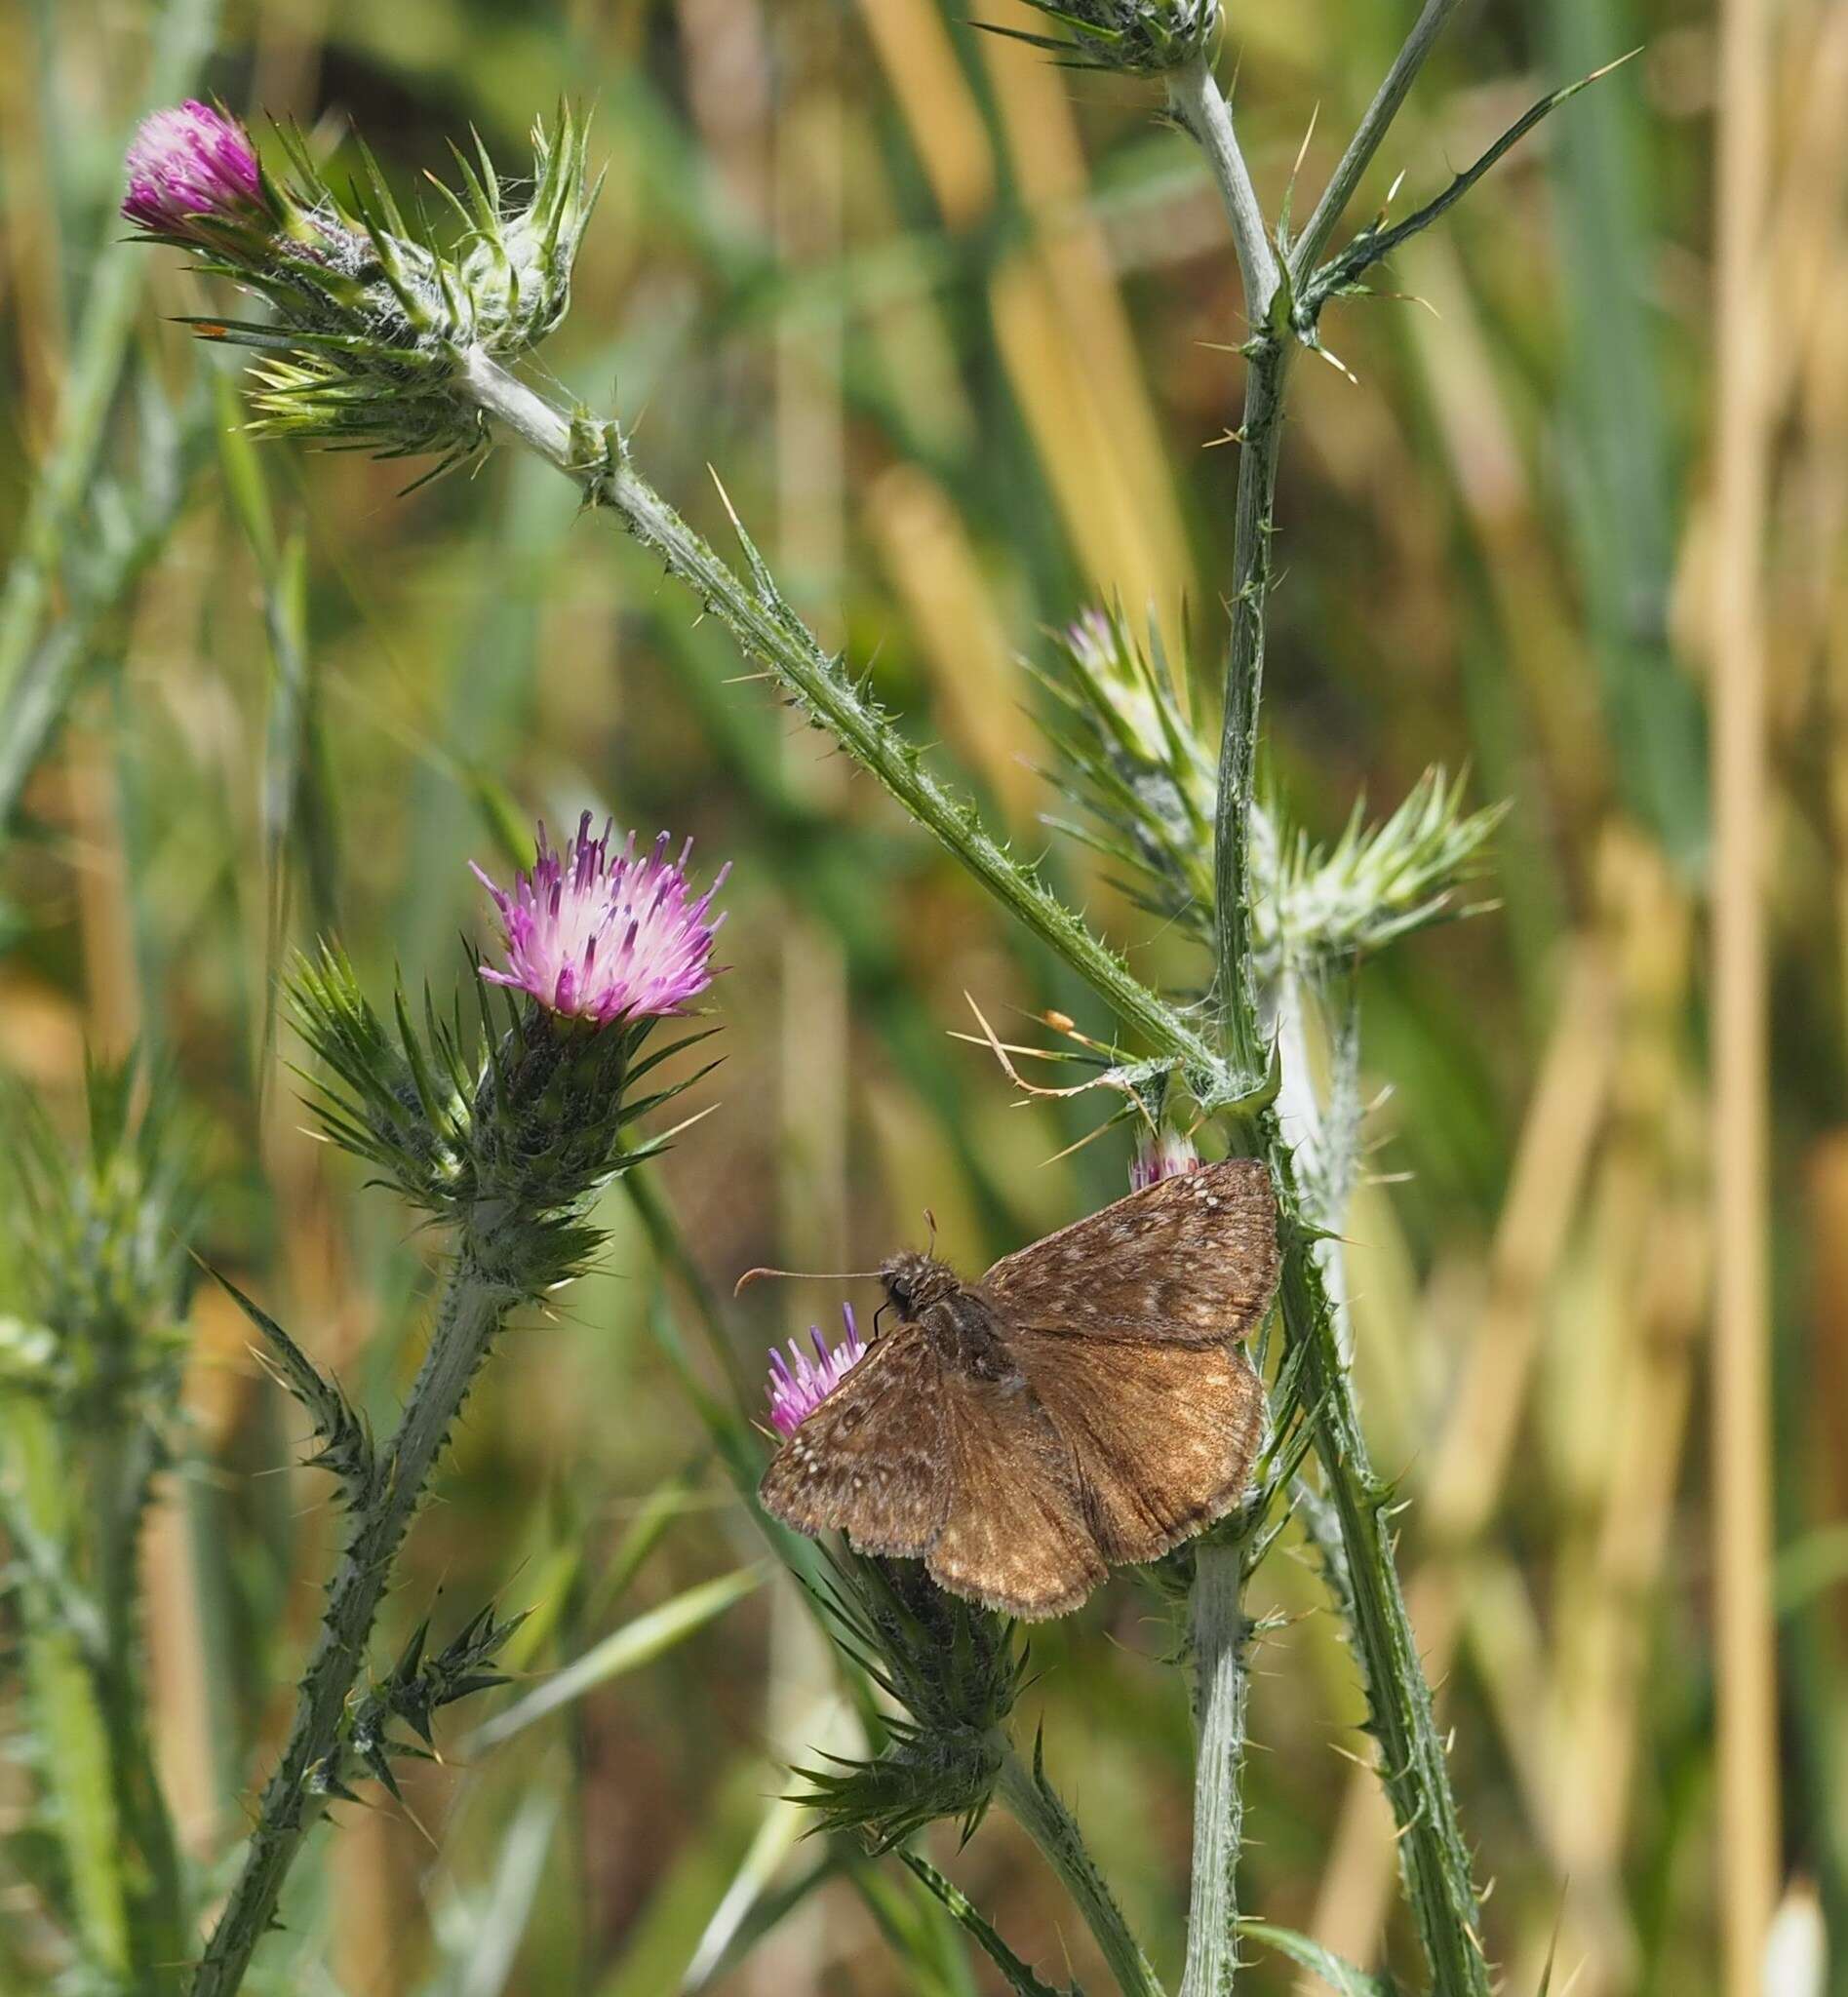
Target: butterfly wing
{"type": "Point", "coordinates": [869, 1461]}
{"type": "Point", "coordinates": [1163, 1437]}
{"type": "Point", "coordinates": [1015, 1537]}
{"type": "Point", "coordinates": [1188, 1260]}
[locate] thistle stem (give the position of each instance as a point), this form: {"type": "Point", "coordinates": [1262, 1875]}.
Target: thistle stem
{"type": "Point", "coordinates": [1367, 140]}
{"type": "Point", "coordinates": [1434, 1860]}
{"type": "Point", "coordinates": [1220, 1633]}
{"type": "Point", "coordinates": [772, 634]}
{"type": "Point", "coordinates": [1432, 1857]}
{"type": "Point", "coordinates": [475, 1303]}
{"type": "Point", "coordinates": [1033, 1803]}
{"type": "Point", "coordinates": [1220, 1641]}
{"type": "Point", "coordinates": [1197, 104]}
{"type": "Point", "coordinates": [1261, 440]}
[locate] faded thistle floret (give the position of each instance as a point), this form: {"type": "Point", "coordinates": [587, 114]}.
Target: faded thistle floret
{"type": "Point", "coordinates": [370, 313]}
{"type": "Point", "coordinates": [1127, 755]}
{"type": "Point", "coordinates": [1375, 883]}
{"type": "Point", "coordinates": [1164, 1153]}
{"type": "Point", "coordinates": [799, 1385]}
{"type": "Point", "coordinates": [601, 938]}
{"type": "Point", "coordinates": [1144, 37]}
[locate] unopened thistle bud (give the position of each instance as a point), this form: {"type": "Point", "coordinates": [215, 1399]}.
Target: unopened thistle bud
{"type": "Point", "coordinates": [1144, 37]}
{"type": "Point", "coordinates": [95, 1255]}
{"type": "Point", "coordinates": [372, 315]}
{"type": "Point", "coordinates": [954, 1669]}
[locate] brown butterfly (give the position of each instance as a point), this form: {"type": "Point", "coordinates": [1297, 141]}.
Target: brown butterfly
{"type": "Point", "coordinates": [1084, 1405]}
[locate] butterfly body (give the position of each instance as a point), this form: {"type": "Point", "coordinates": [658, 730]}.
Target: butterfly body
{"type": "Point", "coordinates": [1083, 1405]}
{"type": "Point", "coordinates": [960, 1323]}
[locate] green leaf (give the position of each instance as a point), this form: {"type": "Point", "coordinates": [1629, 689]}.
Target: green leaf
{"type": "Point", "coordinates": [747, 1912]}
{"type": "Point", "coordinates": [1334, 1969]}
{"type": "Point", "coordinates": [626, 1649]}
{"type": "Point", "coordinates": [65, 1711]}
{"type": "Point", "coordinates": [346, 1443]}
{"type": "Point", "coordinates": [1019, 1976]}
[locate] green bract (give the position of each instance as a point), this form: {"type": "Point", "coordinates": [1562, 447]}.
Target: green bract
{"type": "Point", "coordinates": [506, 1133]}
{"type": "Point", "coordinates": [954, 1669]}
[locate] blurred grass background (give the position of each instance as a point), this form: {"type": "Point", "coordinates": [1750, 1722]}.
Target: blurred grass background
{"type": "Point", "coordinates": [950, 323]}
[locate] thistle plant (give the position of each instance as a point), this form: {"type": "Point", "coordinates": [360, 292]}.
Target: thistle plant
{"type": "Point", "coordinates": [90, 1352]}
{"type": "Point", "coordinates": [504, 1137]}
{"type": "Point", "coordinates": [397, 340]}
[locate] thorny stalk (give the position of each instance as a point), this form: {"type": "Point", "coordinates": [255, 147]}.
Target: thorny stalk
{"type": "Point", "coordinates": [1218, 1052]}
{"type": "Point", "coordinates": [1034, 1806]}
{"type": "Point", "coordinates": [475, 1303]}
{"type": "Point", "coordinates": [1433, 1857]}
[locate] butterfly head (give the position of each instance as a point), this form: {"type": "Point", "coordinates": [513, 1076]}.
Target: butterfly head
{"type": "Point", "coordinates": [914, 1283]}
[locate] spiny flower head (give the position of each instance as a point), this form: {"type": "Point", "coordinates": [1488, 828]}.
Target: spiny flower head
{"type": "Point", "coordinates": [600, 937]}
{"type": "Point", "coordinates": [1164, 1154]}
{"type": "Point", "coordinates": [373, 312]}
{"type": "Point", "coordinates": [1145, 37]}
{"type": "Point", "coordinates": [191, 166]}
{"type": "Point", "coordinates": [797, 1389]}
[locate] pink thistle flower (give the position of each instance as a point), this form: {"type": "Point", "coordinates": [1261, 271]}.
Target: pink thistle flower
{"type": "Point", "coordinates": [796, 1391]}
{"type": "Point", "coordinates": [1168, 1153]}
{"type": "Point", "coordinates": [191, 165]}
{"type": "Point", "coordinates": [599, 937]}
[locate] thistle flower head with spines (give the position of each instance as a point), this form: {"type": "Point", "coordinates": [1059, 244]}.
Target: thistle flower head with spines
{"type": "Point", "coordinates": [510, 1135]}
{"type": "Point", "coordinates": [1135, 764]}
{"type": "Point", "coordinates": [1143, 37]}
{"type": "Point", "coordinates": [373, 314]}
{"type": "Point", "coordinates": [799, 1385]}
{"type": "Point", "coordinates": [951, 1672]}
{"type": "Point", "coordinates": [598, 938]}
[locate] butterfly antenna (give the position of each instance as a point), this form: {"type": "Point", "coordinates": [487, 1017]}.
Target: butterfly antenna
{"type": "Point", "coordinates": [805, 1276]}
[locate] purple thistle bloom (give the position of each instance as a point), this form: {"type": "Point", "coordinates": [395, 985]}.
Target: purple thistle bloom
{"type": "Point", "coordinates": [796, 1391]}
{"type": "Point", "coordinates": [1168, 1154]}
{"type": "Point", "coordinates": [602, 938]}
{"type": "Point", "coordinates": [192, 165]}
